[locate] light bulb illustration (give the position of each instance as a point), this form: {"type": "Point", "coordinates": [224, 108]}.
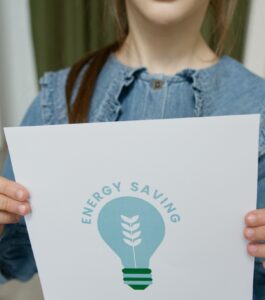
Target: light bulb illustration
{"type": "Point", "coordinates": [133, 229]}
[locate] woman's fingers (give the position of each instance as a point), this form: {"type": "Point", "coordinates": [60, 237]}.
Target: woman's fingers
{"type": "Point", "coordinates": [13, 190]}
{"type": "Point", "coordinates": [13, 201]}
{"type": "Point", "coordinates": [255, 233]}
{"type": "Point", "coordinates": [13, 206]}
{"type": "Point", "coordinates": [257, 250]}
{"type": "Point", "coordinates": [8, 218]}
{"type": "Point", "coordinates": [255, 218]}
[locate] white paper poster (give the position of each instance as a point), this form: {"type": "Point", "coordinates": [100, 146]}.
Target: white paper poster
{"type": "Point", "coordinates": [141, 209]}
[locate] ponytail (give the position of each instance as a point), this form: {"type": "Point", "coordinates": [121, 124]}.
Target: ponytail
{"type": "Point", "coordinates": [78, 108]}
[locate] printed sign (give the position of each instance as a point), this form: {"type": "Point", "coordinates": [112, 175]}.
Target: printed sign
{"type": "Point", "coordinates": [144, 210]}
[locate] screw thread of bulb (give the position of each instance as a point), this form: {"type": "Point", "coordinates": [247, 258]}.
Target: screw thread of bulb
{"type": "Point", "coordinates": [137, 278]}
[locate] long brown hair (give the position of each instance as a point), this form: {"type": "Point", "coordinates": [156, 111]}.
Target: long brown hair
{"type": "Point", "coordinates": [78, 109]}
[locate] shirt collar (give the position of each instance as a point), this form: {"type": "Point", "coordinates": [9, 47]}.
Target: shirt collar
{"type": "Point", "coordinates": [119, 75]}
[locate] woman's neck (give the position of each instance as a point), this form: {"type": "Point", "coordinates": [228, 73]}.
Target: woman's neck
{"type": "Point", "coordinates": [165, 49]}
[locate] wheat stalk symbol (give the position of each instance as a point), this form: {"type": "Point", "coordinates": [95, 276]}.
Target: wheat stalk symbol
{"type": "Point", "coordinates": [131, 233]}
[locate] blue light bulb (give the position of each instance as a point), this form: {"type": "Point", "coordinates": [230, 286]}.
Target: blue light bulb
{"type": "Point", "coordinates": [133, 228]}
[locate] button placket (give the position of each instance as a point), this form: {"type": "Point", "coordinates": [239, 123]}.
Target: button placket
{"type": "Point", "coordinates": [157, 84]}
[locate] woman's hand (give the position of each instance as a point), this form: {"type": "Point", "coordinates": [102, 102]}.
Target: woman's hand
{"type": "Point", "coordinates": [13, 202]}
{"type": "Point", "coordinates": [255, 233]}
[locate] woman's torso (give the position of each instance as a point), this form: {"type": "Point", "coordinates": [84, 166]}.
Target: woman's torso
{"type": "Point", "coordinates": [124, 93]}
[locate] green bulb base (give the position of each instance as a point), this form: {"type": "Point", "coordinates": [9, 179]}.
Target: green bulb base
{"type": "Point", "coordinates": [137, 279]}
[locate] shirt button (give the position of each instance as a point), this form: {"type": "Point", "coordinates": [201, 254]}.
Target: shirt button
{"type": "Point", "coordinates": [157, 84]}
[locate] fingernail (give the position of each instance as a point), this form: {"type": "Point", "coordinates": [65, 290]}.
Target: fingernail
{"type": "Point", "coordinates": [252, 248]}
{"type": "Point", "coordinates": [20, 194]}
{"type": "Point", "coordinates": [249, 232]}
{"type": "Point", "coordinates": [22, 209]}
{"type": "Point", "coordinates": [252, 219]}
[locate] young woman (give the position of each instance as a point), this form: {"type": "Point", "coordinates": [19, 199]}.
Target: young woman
{"type": "Point", "coordinates": [160, 67]}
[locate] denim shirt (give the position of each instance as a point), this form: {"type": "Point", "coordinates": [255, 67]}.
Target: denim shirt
{"type": "Point", "coordinates": [125, 93]}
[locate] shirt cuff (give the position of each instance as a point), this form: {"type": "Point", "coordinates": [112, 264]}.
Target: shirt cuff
{"type": "Point", "coordinates": [3, 279]}
{"type": "Point", "coordinates": [3, 234]}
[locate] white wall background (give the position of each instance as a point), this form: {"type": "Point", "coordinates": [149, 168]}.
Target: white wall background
{"type": "Point", "coordinates": [18, 83]}
{"type": "Point", "coordinates": [254, 58]}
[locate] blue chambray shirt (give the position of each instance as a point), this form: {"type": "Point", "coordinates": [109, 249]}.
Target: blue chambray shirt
{"type": "Point", "coordinates": [125, 93]}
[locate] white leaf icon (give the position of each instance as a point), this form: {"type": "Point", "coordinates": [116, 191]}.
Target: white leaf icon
{"type": "Point", "coordinates": [126, 227]}
{"type": "Point", "coordinates": [135, 227]}
{"type": "Point", "coordinates": [133, 244]}
{"type": "Point", "coordinates": [131, 234]}
{"type": "Point", "coordinates": [130, 220]}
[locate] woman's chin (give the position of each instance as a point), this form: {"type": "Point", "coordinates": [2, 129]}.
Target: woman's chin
{"type": "Point", "coordinates": [167, 12]}
{"type": "Point", "coordinates": [164, 19]}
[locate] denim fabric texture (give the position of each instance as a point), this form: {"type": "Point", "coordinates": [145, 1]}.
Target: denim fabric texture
{"type": "Point", "coordinates": [125, 93]}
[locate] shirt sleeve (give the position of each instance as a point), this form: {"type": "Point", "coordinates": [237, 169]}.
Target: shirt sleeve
{"type": "Point", "coordinates": [16, 256]}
